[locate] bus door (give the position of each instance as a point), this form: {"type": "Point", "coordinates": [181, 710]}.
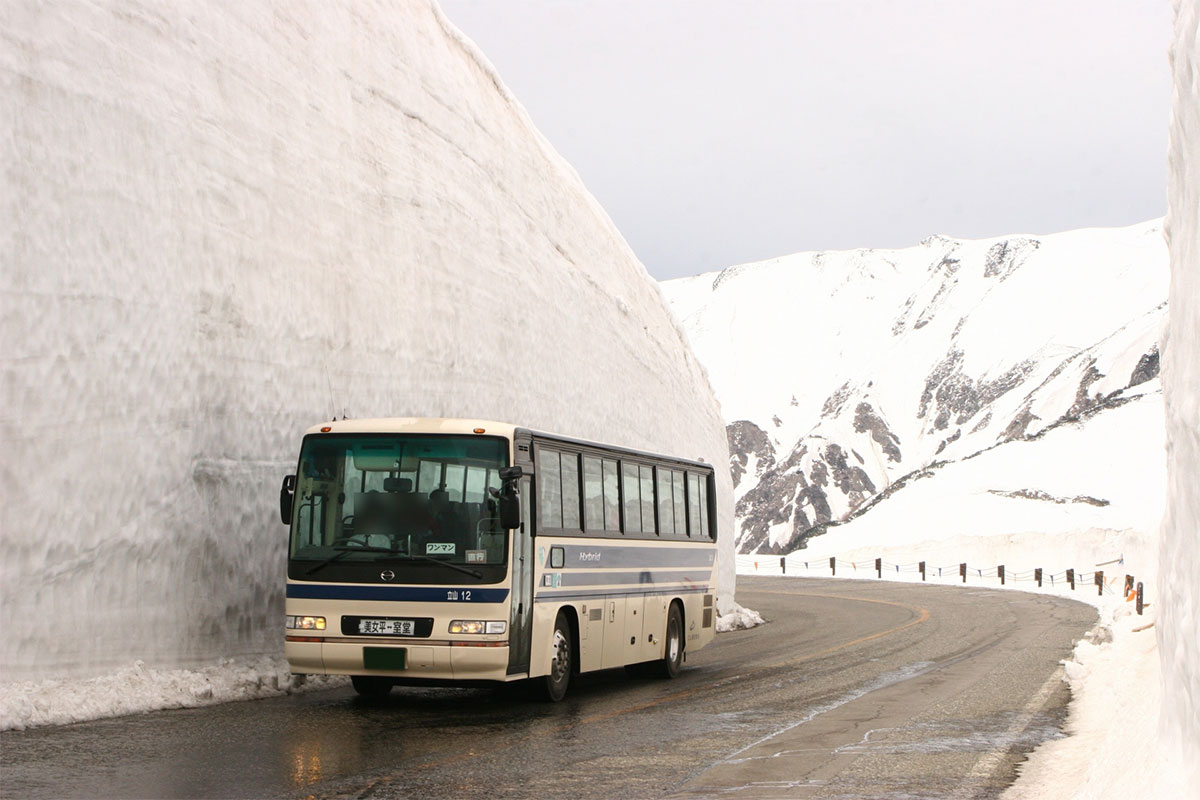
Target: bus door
{"type": "Point", "coordinates": [520, 619]}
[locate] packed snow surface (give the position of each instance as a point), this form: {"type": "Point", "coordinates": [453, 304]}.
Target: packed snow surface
{"type": "Point", "coordinates": [1179, 632]}
{"type": "Point", "coordinates": [225, 223]}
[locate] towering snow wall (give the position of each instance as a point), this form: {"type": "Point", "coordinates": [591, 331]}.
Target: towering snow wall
{"type": "Point", "coordinates": [1179, 627]}
{"type": "Point", "coordinates": [223, 223]}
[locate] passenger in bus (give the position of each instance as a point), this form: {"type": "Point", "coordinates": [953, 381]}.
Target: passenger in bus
{"type": "Point", "coordinates": [413, 522]}
{"type": "Point", "coordinates": [447, 525]}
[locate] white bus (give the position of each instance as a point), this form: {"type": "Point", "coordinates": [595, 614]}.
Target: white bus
{"type": "Point", "coordinates": [442, 551]}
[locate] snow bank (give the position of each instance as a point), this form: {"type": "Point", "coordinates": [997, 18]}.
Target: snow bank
{"type": "Point", "coordinates": [1179, 630]}
{"type": "Point", "coordinates": [1112, 749]}
{"type": "Point", "coordinates": [137, 688]}
{"type": "Point", "coordinates": [225, 223]}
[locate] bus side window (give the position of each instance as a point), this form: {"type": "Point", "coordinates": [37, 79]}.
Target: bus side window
{"type": "Point", "coordinates": [593, 495]}
{"type": "Point", "coordinates": [570, 491]}
{"type": "Point", "coordinates": [693, 485]}
{"type": "Point", "coordinates": [612, 497]}
{"type": "Point", "coordinates": [631, 489]}
{"type": "Point", "coordinates": [647, 474]}
{"type": "Point", "coordinates": [550, 490]}
{"type": "Point", "coordinates": [678, 503]}
{"type": "Point", "coordinates": [666, 502]}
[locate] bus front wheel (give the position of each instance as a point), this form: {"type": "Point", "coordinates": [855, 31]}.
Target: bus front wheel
{"type": "Point", "coordinates": [672, 661]}
{"type": "Point", "coordinates": [561, 658]}
{"type": "Point", "coordinates": [371, 685]}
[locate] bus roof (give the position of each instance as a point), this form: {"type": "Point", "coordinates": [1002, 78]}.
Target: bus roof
{"type": "Point", "coordinates": [468, 426]}
{"type": "Point", "coordinates": [414, 425]}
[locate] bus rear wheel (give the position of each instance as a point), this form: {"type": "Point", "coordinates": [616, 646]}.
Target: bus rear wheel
{"type": "Point", "coordinates": [672, 660]}
{"type": "Point", "coordinates": [561, 660]}
{"type": "Point", "coordinates": [371, 686]}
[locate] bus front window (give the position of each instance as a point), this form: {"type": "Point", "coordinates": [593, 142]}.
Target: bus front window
{"type": "Point", "coordinates": [401, 501]}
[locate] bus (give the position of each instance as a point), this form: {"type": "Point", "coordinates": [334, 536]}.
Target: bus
{"type": "Point", "coordinates": [461, 552]}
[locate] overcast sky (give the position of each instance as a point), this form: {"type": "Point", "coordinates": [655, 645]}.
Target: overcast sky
{"type": "Point", "coordinates": [718, 133]}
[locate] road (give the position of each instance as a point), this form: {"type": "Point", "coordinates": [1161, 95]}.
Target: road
{"type": "Point", "coordinates": [854, 689]}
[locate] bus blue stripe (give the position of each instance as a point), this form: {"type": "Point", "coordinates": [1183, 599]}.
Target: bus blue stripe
{"type": "Point", "coordinates": [422, 594]}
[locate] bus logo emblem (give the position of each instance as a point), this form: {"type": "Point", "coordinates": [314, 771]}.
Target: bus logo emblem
{"type": "Point", "coordinates": [387, 575]}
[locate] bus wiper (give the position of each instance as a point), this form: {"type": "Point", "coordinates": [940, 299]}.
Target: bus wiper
{"type": "Point", "coordinates": [343, 549]}
{"type": "Point", "coordinates": [472, 572]}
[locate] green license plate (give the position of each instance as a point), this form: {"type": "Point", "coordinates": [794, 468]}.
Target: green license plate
{"type": "Point", "coordinates": [383, 657]}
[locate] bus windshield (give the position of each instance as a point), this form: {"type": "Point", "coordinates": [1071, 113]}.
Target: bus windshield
{"type": "Point", "coordinates": [417, 505]}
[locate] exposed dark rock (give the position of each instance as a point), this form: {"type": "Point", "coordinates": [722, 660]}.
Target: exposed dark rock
{"type": "Point", "coordinates": [1146, 369]}
{"type": "Point", "coordinates": [1017, 427]}
{"type": "Point", "coordinates": [1005, 258]}
{"type": "Point", "coordinates": [865, 419]}
{"type": "Point", "coordinates": [836, 401]}
{"type": "Point", "coordinates": [778, 422]}
{"type": "Point", "coordinates": [948, 441]}
{"type": "Point", "coordinates": [726, 274]}
{"type": "Point", "coordinates": [846, 478]}
{"type": "Point", "coordinates": [961, 397]}
{"type": "Point", "coordinates": [1038, 494]}
{"type": "Point", "coordinates": [1083, 400]}
{"type": "Point", "coordinates": [820, 474]}
{"type": "Point", "coordinates": [746, 439]}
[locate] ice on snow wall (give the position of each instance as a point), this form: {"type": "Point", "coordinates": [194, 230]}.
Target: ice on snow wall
{"type": "Point", "coordinates": [224, 223]}
{"type": "Point", "coordinates": [1179, 567]}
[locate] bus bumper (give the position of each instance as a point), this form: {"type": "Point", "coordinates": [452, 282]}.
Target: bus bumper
{"type": "Point", "coordinates": [434, 662]}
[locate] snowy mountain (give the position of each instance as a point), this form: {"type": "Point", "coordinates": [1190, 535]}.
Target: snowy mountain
{"type": "Point", "coordinates": [848, 377]}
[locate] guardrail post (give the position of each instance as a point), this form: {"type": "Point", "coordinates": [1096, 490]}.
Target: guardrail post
{"type": "Point", "coordinates": [783, 564]}
{"type": "Point", "coordinates": [1140, 604]}
{"type": "Point", "coordinates": [879, 567]}
{"type": "Point", "coordinates": [833, 565]}
{"type": "Point", "coordinates": [1128, 585]}
{"type": "Point", "coordinates": [962, 570]}
{"type": "Point", "coordinates": [1071, 578]}
{"type": "Point", "coordinates": [922, 565]}
{"type": "Point", "coordinates": [1000, 572]}
{"type": "Point", "coordinates": [1037, 576]}
{"type": "Point", "coordinates": [1100, 581]}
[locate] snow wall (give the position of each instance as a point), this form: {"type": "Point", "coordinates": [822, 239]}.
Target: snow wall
{"type": "Point", "coordinates": [222, 224]}
{"type": "Point", "coordinates": [1179, 562]}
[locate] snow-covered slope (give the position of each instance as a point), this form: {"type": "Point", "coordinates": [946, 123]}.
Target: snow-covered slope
{"type": "Point", "coordinates": [223, 223]}
{"type": "Point", "coordinates": [847, 377]}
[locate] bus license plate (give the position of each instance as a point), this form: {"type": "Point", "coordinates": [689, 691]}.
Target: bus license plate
{"type": "Point", "coordinates": [386, 627]}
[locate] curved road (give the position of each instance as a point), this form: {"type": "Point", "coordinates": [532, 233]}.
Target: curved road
{"type": "Point", "coordinates": [854, 689]}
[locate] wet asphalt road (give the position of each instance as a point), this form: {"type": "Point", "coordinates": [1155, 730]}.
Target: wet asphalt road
{"type": "Point", "coordinates": [854, 689]}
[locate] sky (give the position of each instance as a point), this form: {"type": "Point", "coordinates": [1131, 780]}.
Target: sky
{"type": "Point", "coordinates": [720, 133]}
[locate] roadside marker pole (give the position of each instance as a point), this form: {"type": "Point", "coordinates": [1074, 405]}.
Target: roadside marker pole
{"type": "Point", "coordinates": [962, 570]}
{"type": "Point", "coordinates": [922, 565]}
{"type": "Point", "coordinates": [1037, 575]}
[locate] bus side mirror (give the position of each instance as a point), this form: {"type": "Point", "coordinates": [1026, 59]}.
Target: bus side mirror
{"type": "Point", "coordinates": [510, 498]}
{"type": "Point", "coordinates": [285, 498]}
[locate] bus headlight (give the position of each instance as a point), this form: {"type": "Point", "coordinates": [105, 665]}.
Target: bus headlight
{"type": "Point", "coordinates": [478, 626]}
{"type": "Point", "coordinates": [304, 623]}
